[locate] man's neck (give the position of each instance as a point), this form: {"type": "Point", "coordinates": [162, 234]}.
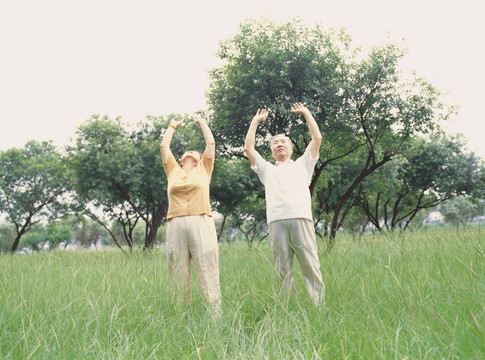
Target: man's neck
{"type": "Point", "coordinates": [283, 159]}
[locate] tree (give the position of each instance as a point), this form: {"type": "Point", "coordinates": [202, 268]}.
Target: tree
{"type": "Point", "coordinates": [102, 164]}
{"type": "Point", "coordinates": [427, 174]}
{"type": "Point", "coordinates": [120, 171]}
{"type": "Point", "coordinates": [361, 102]}
{"type": "Point", "coordinates": [33, 186]}
{"type": "Point", "coordinates": [435, 171]}
{"type": "Point", "coordinates": [460, 210]}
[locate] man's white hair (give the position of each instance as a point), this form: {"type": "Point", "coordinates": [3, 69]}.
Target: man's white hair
{"type": "Point", "coordinates": [281, 135]}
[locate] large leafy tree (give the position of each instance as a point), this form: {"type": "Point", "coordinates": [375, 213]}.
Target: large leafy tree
{"type": "Point", "coordinates": [103, 166]}
{"type": "Point", "coordinates": [111, 167]}
{"type": "Point", "coordinates": [33, 186]}
{"type": "Point", "coordinates": [360, 101]}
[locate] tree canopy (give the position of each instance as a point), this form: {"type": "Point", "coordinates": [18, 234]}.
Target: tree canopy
{"type": "Point", "coordinates": [119, 171]}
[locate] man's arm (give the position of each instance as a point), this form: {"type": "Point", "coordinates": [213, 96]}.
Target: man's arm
{"type": "Point", "coordinates": [167, 139]}
{"type": "Point", "coordinates": [210, 144]}
{"type": "Point", "coordinates": [315, 133]}
{"type": "Point", "coordinates": [249, 144]}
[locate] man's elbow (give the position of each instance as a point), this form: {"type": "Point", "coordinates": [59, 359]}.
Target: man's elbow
{"type": "Point", "coordinates": [318, 138]}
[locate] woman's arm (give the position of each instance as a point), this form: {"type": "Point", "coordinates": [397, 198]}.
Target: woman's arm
{"type": "Point", "coordinates": [167, 139]}
{"type": "Point", "coordinates": [210, 144]}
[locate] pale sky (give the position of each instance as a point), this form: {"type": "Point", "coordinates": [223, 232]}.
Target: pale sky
{"type": "Point", "coordinates": [62, 61]}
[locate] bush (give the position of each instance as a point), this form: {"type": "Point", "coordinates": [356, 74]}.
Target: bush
{"type": "Point", "coordinates": [7, 236]}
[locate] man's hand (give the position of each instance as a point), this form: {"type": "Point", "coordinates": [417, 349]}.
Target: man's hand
{"type": "Point", "coordinates": [300, 109]}
{"type": "Point", "coordinates": [260, 116]}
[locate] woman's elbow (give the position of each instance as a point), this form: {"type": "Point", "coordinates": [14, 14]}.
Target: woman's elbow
{"type": "Point", "coordinates": [164, 148]}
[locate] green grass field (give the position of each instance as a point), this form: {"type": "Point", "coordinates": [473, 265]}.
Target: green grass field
{"type": "Point", "coordinates": [413, 296]}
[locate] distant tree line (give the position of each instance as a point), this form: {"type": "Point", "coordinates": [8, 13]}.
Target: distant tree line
{"type": "Point", "coordinates": [383, 160]}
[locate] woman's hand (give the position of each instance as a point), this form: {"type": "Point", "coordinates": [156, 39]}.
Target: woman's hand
{"type": "Point", "coordinates": [200, 121]}
{"type": "Point", "coordinates": [178, 123]}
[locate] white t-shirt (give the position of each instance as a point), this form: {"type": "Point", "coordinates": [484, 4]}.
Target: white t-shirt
{"type": "Point", "coordinates": [286, 186]}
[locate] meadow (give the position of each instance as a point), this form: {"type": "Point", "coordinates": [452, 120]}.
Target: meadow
{"type": "Point", "coordinates": [417, 295]}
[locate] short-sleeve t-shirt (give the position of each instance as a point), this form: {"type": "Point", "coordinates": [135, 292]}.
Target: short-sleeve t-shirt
{"type": "Point", "coordinates": [188, 190]}
{"type": "Point", "coordinates": [287, 187]}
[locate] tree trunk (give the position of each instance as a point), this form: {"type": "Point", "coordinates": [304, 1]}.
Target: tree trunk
{"type": "Point", "coordinates": [335, 220]}
{"type": "Point", "coordinates": [20, 233]}
{"type": "Point", "coordinates": [365, 172]}
{"type": "Point", "coordinates": [222, 228]}
{"type": "Point", "coordinates": [153, 229]}
{"type": "Point", "coordinates": [16, 243]}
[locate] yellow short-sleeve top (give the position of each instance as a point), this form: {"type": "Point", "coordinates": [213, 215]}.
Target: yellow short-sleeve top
{"type": "Point", "coordinates": [188, 190]}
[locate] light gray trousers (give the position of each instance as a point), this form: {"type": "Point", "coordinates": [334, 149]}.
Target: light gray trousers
{"type": "Point", "coordinates": [297, 237]}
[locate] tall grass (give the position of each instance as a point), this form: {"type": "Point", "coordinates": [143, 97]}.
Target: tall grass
{"type": "Point", "coordinates": [416, 296]}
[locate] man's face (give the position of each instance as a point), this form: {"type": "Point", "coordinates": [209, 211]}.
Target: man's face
{"type": "Point", "coordinates": [281, 147]}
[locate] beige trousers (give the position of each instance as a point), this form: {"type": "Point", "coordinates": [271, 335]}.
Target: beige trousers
{"type": "Point", "coordinates": [297, 237]}
{"type": "Point", "coordinates": [194, 238]}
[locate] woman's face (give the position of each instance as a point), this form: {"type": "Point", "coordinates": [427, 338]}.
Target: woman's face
{"type": "Point", "coordinates": [190, 159]}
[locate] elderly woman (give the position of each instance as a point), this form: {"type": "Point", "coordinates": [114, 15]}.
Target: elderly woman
{"type": "Point", "coordinates": [191, 233]}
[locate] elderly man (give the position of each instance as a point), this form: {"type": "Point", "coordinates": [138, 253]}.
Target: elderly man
{"type": "Point", "coordinates": [288, 203]}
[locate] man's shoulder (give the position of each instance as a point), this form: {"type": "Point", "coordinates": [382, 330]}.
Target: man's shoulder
{"type": "Point", "coordinates": [259, 159]}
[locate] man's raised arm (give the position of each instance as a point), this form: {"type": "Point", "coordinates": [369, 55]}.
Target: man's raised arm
{"type": "Point", "coordinates": [315, 133]}
{"type": "Point", "coordinates": [249, 144]}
